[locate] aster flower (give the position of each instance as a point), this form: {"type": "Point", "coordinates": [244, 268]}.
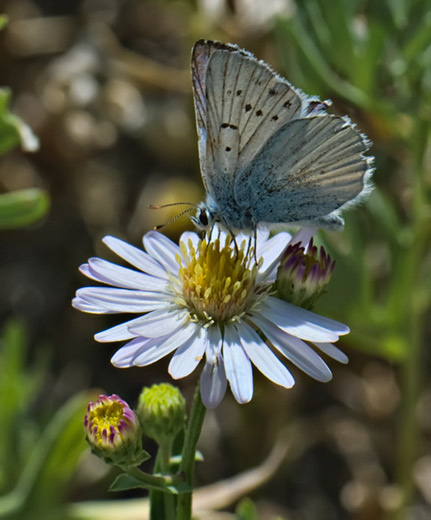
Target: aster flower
{"type": "Point", "coordinates": [207, 299]}
{"type": "Point", "coordinates": [112, 430]}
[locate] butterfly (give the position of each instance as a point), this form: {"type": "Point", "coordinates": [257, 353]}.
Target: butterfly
{"type": "Point", "coordinates": [268, 153]}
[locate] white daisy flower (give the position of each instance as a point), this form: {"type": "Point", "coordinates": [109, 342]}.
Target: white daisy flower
{"type": "Point", "coordinates": [208, 300]}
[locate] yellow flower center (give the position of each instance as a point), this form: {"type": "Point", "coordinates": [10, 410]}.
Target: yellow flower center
{"type": "Point", "coordinates": [218, 282]}
{"type": "Point", "coordinates": [105, 416]}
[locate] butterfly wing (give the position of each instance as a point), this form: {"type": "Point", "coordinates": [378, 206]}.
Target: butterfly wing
{"type": "Point", "coordinates": [305, 171]}
{"type": "Point", "coordinates": [240, 102]}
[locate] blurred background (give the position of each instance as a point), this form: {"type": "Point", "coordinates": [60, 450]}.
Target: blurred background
{"type": "Point", "coordinates": [105, 86]}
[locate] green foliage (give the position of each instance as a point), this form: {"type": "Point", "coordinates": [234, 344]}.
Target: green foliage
{"type": "Point", "coordinates": [23, 207]}
{"type": "Point", "coordinates": [246, 510]}
{"type": "Point", "coordinates": [3, 21]}
{"type": "Point", "coordinates": [375, 56]}
{"type": "Point", "coordinates": [32, 483]}
{"type": "Point", "coordinates": [368, 55]}
{"type": "Point", "coordinates": [127, 481]}
{"type": "Point", "coordinates": [13, 131]}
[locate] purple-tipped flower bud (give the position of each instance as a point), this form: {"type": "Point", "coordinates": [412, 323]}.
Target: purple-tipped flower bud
{"type": "Point", "coordinates": [303, 274]}
{"type": "Point", "coordinates": [113, 431]}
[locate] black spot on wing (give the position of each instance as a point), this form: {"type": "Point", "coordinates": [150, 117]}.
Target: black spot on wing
{"type": "Point", "coordinates": [248, 107]}
{"type": "Point", "coordinates": [259, 113]}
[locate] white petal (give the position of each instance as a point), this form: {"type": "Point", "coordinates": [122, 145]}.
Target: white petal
{"type": "Point", "coordinates": [262, 235]}
{"type": "Point", "coordinates": [300, 322]}
{"type": "Point", "coordinates": [160, 323]}
{"type": "Point", "coordinates": [271, 251]}
{"type": "Point", "coordinates": [107, 300]}
{"type": "Point", "coordinates": [303, 236]}
{"type": "Point", "coordinates": [83, 306]}
{"type": "Point", "coordinates": [263, 358]}
{"type": "Point", "coordinates": [298, 352]}
{"type": "Point", "coordinates": [189, 236]}
{"type": "Point", "coordinates": [163, 250]}
{"type": "Point", "coordinates": [118, 276]}
{"type": "Point", "coordinates": [136, 257]}
{"type": "Point", "coordinates": [188, 356]}
{"type": "Point", "coordinates": [332, 351]}
{"type": "Point", "coordinates": [213, 382]}
{"type": "Point", "coordinates": [238, 366]}
{"type": "Point", "coordinates": [126, 355]}
{"type": "Point", "coordinates": [117, 333]}
{"type": "Point", "coordinates": [163, 348]}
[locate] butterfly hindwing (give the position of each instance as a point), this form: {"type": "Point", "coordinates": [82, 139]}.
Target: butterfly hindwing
{"type": "Point", "coordinates": [309, 168]}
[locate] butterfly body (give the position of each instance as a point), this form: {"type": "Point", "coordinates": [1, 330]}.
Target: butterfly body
{"type": "Point", "coordinates": [268, 153]}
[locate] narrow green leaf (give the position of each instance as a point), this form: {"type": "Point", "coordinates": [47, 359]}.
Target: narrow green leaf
{"type": "Point", "coordinates": [124, 482]}
{"type": "Point", "coordinates": [419, 41]}
{"type": "Point", "coordinates": [318, 63]}
{"type": "Point", "coordinates": [23, 207]}
{"type": "Point", "coordinates": [13, 131]}
{"type": "Point", "coordinates": [55, 457]}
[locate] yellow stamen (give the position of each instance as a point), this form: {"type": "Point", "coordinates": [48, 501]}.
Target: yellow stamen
{"type": "Point", "coordinates": [218, 282]}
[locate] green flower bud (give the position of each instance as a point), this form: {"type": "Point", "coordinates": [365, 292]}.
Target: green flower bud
{"type": "Point", "coordinates": [113, 431]}
{"type": "Point", "coordinates": [303, 275]}
{"type": "Point", "coordinates": [162, 412]}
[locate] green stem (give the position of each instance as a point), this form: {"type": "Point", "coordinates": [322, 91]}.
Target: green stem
{"type": "Point", "coordinates": [161, 503]}
{"type": "Point", "coordinates": [146, 478]}
{"type": "Point", "coordinates": [163, 458]}
{"type": "Point", "coordinates": [187, 469]}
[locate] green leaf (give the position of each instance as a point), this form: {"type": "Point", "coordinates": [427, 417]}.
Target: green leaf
{"type": "Point", "coordinates": [49, 468]}
{"type": "Point", "coordinates": [13, 131]}
{"type": "Point", "coordinates": [23, 207]}
{"type": "Point", "coordinates": [317, 63]}
{"type": "Point", "coordinates": [3, 21]}
{"type": "Point", "coordinates": [246, 510]}
{"type": "Point", "coordinates": [126, 481]}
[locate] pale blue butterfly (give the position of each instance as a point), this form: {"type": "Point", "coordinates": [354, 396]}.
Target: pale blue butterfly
{"type": "Point", "coordinates": [268, 153]}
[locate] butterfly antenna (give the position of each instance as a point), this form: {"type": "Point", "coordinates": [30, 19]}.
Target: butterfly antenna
{"type": "Point", "coordinates": [161, 226]}
{"type": "Point", "coordinates": [192, 204]}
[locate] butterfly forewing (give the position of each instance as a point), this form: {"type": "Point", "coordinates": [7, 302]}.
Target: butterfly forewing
{"type": "Point", "coordinates": [240, 102]}
{"type": "Point", "coordinates": [323, 169]}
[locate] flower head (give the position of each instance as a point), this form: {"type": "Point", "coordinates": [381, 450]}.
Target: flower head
{"type": "Point", "coordinates": [208, 299]}
{"type": "Point", "coordinates": [113, 432]}
{"type": "Point", "coordinates": [303, 274]}
{"type": "Point", "coordinates": [162, 412]}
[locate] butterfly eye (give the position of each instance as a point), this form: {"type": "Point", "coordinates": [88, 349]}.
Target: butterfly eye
{"type": "Point", "coordinates": [203, 218]}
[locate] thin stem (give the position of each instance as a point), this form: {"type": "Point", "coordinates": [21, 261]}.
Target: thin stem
{"type": "Point", "coordinates": [187, 469]}
{"type": "Point", "coordinates": [163, 456]}
{"type": "Point", "coordinates": [146, 478]}
{"type": "Point", "coordinates": [160, 502]}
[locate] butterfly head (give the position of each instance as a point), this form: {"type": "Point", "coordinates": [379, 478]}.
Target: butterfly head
{"type": "Point", "coordinates": [203, 219]}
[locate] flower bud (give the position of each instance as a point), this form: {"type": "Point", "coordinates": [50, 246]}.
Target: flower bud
{"type": "Point", "coordinates": [162, 412]}
{"type": "Point", "coordinates": [113, 432]}
{"type": "Point", "coordinates": [303, 274]}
